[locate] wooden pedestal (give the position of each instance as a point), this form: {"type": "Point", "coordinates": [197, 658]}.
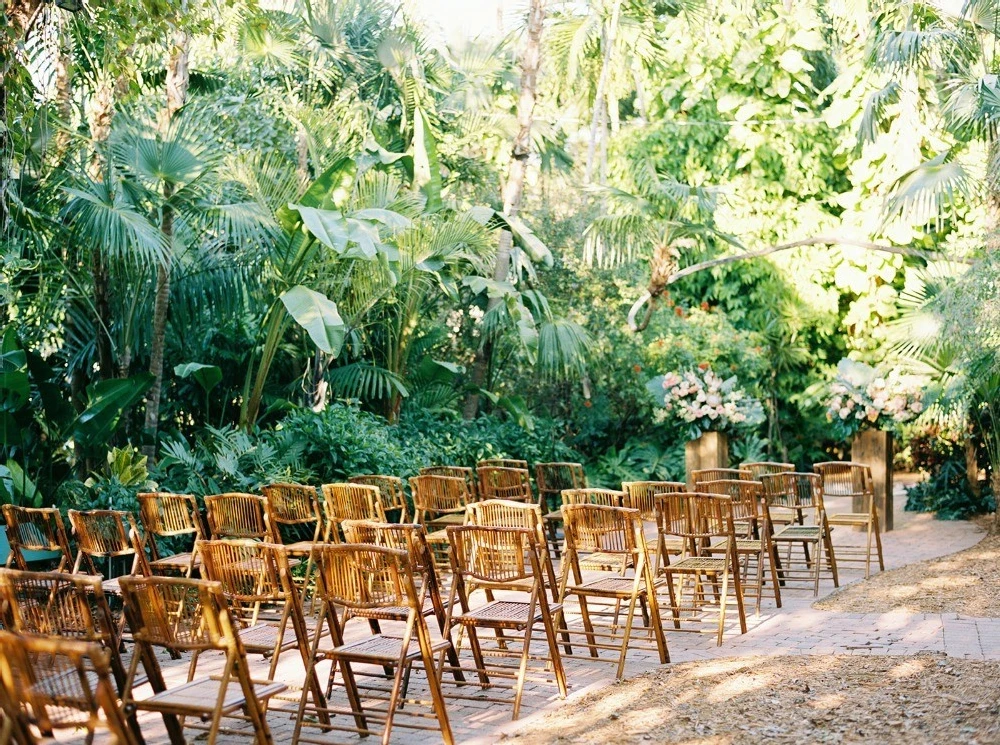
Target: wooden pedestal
{"type": "Point", "coordinates": [874, 448]}
{"type": "Point", "coordinates": [711, 450]}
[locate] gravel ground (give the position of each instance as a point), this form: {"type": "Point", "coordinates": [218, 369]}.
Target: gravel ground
{"type": "Point", "coordinates": [858, 699]}
{"type": "Point", "coordinates": [967, 583]}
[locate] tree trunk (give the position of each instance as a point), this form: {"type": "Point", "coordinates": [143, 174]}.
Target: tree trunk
{"type": "Point", "coordinates": [516, 169]}
{"type": "Point", "coordinates": [177, 87]}
{"type": "Point", "coordinates": [608, 34]}
{"type": "Point", "coordinates": [63, 96]}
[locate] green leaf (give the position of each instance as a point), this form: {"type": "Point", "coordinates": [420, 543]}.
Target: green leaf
{"type": "Point", "coordinates": [107, 400]}
{"type": "Point", "coordinates": [23, 488]}
{"type": "Point", "coordinates": [318, 315]}
{"type": "Point", "coordinates": [426, 167]}
{"type": "Point", "coordinates": [331, 188]}
{"type": "Point", "coordinates": [523, 235]}
{"type": "Point", "coordinates": [328, 226]}
{"type": "Point", "coordinates": [492, 288]}
{"type": "Point", "coordinates": [207, 376]}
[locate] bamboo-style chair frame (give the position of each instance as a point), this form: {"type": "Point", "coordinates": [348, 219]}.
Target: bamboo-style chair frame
{"type": "Point", "coordinates": [57, 604]}
{"type": "Point", "coordinates": [502, 463]}
{"type": "Point", "coordinates": [503, 482]}
{"type": "Point", "coordinates": [170, 516]}
{"type": "Point", "coordinates": [854, 480]}
{"type": "Point", "coordinates": [297, 507]}
{"type": "Point", "coordinates": [758, 468]}
{"type": "Point", "coordinates": [180, 614]}
{"type": "Point", "coordinates": [694, 521]}
{"type": "Point", "coordinates": [236, 515]}
{"type": "Point", "coordinates": [344, 501]}
{"type": "Point", "coordinates": [753, 537]}
{"type": "Point", "coordinates": [719, 474]}
{"type": "Point", "coordinates": [56, 684]}
{"type": "Point", "coordinates": [439, 501]}
{"type": "Point", "coordinates": [551, 479]}
{"type": "Point", "coordinates": [461, 472]}
{"type": "Point", "coordinates": [609, 531]}
{"type": "Point", "coordinates": [391, 490]}
{"type": "Point", "coordinates": [505, 513]}
{"type": "Point", "coordinates": [35, 529]}
{"type": "Point", "coordinates": [498, 559]}
{"type": "Point", "coordinates": [369, 581]}
{"type": "Point", "coordinates": [641, 495]}
{"type": "Point", "coordinates": [801, 492]}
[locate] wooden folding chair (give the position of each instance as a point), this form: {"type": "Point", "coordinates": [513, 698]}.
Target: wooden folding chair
{"type": "Point", "coordinates": [504, 513]}
{"type": "Point", "coordinates": [503, 482]}
{"type": "Point", "coordinates": [36, 529]}
{"type": "Point", "coordinates": [799, 492]}
{"type": "Point", "coordinates": [169, 517]}
{"type": "Point", "coordinates": [294, 507]}
{"type": "Point", "coordinates": [696, 521]}
{"type": "Point", "coordinates": [551, 479]}
{"type": "Point", "coordinates": [720, 474]}
{"type": "Point", "coordinates": [503, 463]}
{"type": "Point", "coordinates": [263, 600]}
{"type": "Point", "coordinates": [854, 480]}
{"type": "Point", "coordinates": [760, 468]}
{"type": "Point", "coordinates": [190, 615]}
{"type": "Point", "coordinates": [439, 501]}
{"type": "Point", "coordinates": [501, 559]}
{"type": "Point", "coordinates": [59, 684]}
{"type": "Point", "coordinates": [615, 535]}
{"type": "Point", "coordinates": [61, 605]}
{"type": "Point", "coordinates": [350, 502]}
{"type": "Point", "coordinates": [641, 495]}
{"type": "Point", "coordinates": [753, 536]}
{"type": "Point", "coordinates": [460, 472]}
{"type": "Point", "coordinates": [392, 494]}
{"type": "Point", "coordinates": [237, 515]}
{"type": "Point", "coordinates": [371, 582]}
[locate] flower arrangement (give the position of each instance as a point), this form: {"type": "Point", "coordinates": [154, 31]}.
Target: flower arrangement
{"type": "Point", "coordinates": [705, 401]}
{"type": "Point", "coordinates": [863, 397]}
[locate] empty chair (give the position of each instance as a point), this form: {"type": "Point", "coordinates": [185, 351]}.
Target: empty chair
{"type": "Point", "coordinates": [392, 493]}
{"type": "Point", "coordinates": [36, 529]}
{"type": "Point", "coordinates": [461, 472]}
{"type": "Point", "coordinates": [439, 501]}
{"type": "Point", "coordinates": [179, 614]}
{"type": "Point", "coordinates": [294, 507]}
{"type": "Point", "coordinates": [501, 482]}
{"type": "Point", "coordinates": [597, 529]}
{"type": "Point", "coordinates": [262, 597]}
{"type": "Point", "coordinates": [350, 502]}
{"type": "Point", "coordinates": [503, 513]}
{"type": "Point", "coordinates": [719, 474]}
{"type": "Point", "coordinates": [762, 467]}
{"type": "Point", "coordinates": [854, 480]}
{"type": "Point", "coordinates": [51, 684]}
{"type": "Point", "coordinates": [237, 515]}
{"type": "Point", "coordinates": [607, 497]}
{"type": "Point", "coordinates": [698, 520]}
{"type": "Point", "coordinates": [170, 516]}
{"type": "Point", "coordinates": [498, 559]}
{"type": "Point", "coordinates": [360, 580]}
{"type": "Point", "coordinates": [503, 463]}
{"type": "Point", "coordinates": [551, 479]}
{"type": "Point", "coordinates": [753, 536]}
{"type": "Point", "coordinates": [801, 492]}
{"type": "Point", "coordinates": [641, 495]}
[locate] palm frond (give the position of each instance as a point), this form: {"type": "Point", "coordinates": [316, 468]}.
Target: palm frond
{"type": "Point", "coordinates": [875, 112]}
{"type": "Point", "coordinates": [365, 381]}
{"type": "Point", "coordinates": [563, 346]}
{"type": "Point", "coordinates": [929, 192]}
{"type": "Point", "coordinates": [100, 215]}
{"type": "Point", "coordinates": [612, 240]}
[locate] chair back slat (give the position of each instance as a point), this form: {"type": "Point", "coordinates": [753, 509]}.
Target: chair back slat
{"type": "Point", "coordinates": [391, 491]}
{"type": "Point", "coordinates": [641, 495]}
{"type": "Point", "coordinates": [166, 515]}
{"type": "Point", "coordinates": [846, 479]}
{"type": "Point", "coordinates": [461, 472]}
{"type": "Point", "coordinates": [502, 482]}
{"type": "Point", "coordinates": [792, 489]}
{"type": "Point", "coordinates": [606, 497]}
{"type": "Point", "coordinates": [35, 529]}
{"type": "Point", "coordinates": [719, 474]}
{"type": "Point", "coordinates": [596, 528]}
{"type": "Point", "coordinates": [485, 554]}
{"type": "Point", "coordinates": [746, 495]}
{"type": "Point", "coordinates": [178, 613]}
{"type": "Point", "coordinates": [503, 463]}
{"type": "Point", "coordinates": [435, 495]}
{"type": "Point", "coordinates": [763, 467]}
{"type": "Point", "coordinates": [362, 576]}
{"type": "Point", "coordinates": [237, 515]}
{"type": "Point", "coordinates": [352, 502]}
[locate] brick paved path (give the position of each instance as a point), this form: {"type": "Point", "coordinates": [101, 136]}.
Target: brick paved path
{"type": "Point", "coordinates": [796, 628]}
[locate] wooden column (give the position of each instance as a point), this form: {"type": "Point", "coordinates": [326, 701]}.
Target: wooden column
{"type": "Point", "coordinates": [873, 447]}
{"type": "Point", "coordinates": [711, 450]}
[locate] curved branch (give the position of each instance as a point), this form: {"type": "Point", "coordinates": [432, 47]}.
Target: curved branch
{"type": "Point", "coordinates": [634, 311]}
{"type": "Point", "coordinates": [818, 241]}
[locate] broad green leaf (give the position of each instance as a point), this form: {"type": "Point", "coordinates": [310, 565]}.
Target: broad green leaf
{"type": "Point", "coordinates": [426, 167]}
{"type": "Point", "coordinates": [328, 226]}
{"type": "Point", "coordinates": [491, 287]}
{"type": "Point", "coordinates": [107, 400]}
{"type": "Point", "coordinates": [207, 376]}
{"type": "Point", "coordinates": [331, 188]}
{"type": "Point", "coordinates": [390, 219]}
{"type": "Point", "coordinates": [318, 315]}
{"type": "Point", "coordinates": [24, 489]}
{"type": "Point", "coordinates": [524, 237]}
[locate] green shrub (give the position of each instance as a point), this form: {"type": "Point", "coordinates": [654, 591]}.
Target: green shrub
{"type": "Point", "coordinates": [947, 493]}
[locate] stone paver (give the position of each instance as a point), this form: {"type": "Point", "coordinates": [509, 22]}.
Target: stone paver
{"type": "Point", "coordinates": [796, 628]}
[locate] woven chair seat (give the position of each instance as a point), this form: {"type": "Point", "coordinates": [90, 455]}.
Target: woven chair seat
{"type": "Point", "coordinates": [609, 587]}
{"type": "Point", "coordinates": [455, 518]}
{"type": "Point", "coordinates": [504, 614]}
{"type": "Point", "coordinates": [555, 515]}
{"type": "Point", "coordinates": [438, 536]}
{"type": "Point", "coordinates": [602, 562]}
{"type": "Point", "coordinates": [698, 564]}
{"type": "Point", "coordinates": [263, 637]}
{"type": "Point", "coordinates": [798, 533]}
{"type": "Point", "coordinates": [177, 561]}
{"type": "Point", "coordinates": [849, 518]}
{"type": "Point", "coordinates": [398, 613]}
{"type": "Point", "coordinates": [749, 545]}
{"type": "Point", "coordinates": [202, 695]}
{"type": "Point", "coordinates": [65, 687]}
{"type": "Point", "coordinates": [381, 648]}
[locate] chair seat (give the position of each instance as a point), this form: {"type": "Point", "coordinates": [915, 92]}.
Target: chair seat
{"type": "Point", "coordinates": [614, 587]}
{"type": "Point", "coordinates": [262, 637]}
{"type": "Point", "coordinates": [849, 518]}
{"type": "Point", "coordinates": [504, 614]}
{"type": "Point", "coordinates": [398, 613]}
{"type": "Point", "coordinates": [798, 533]}
{"type": "Point", "coordinates": [438, 536]}
{"type": "Point", "coordinates": [555, 515]}
{"type": "Point", "coordinates": [381, 648]}
{"type": "Point", "coordinates": [745, 545]}
{"type": "Point", "coordinates": [455, 518]}
{"type": "Point", "coordinates": [201, 695]}
{"type": "Point", "coordinates": [112, 586]}
{"type": "Point", "coordinates": [603, 561]}
{"type": "Point", "coordinates": [177, 561]}
{"type": "Point", "coordinates": [697, 564]}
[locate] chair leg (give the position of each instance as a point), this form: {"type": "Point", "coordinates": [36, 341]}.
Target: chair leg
{"type": "Point", "coordinates": [588, 627]}
{"type": "Point", "coordinates": [722, 606]}
{"type": "Point", "coordinates": [878, 543]}
{"type": "Point", "coordinates": [522, 668]}
{"type": "Point", "coordinates": [818, 568]}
